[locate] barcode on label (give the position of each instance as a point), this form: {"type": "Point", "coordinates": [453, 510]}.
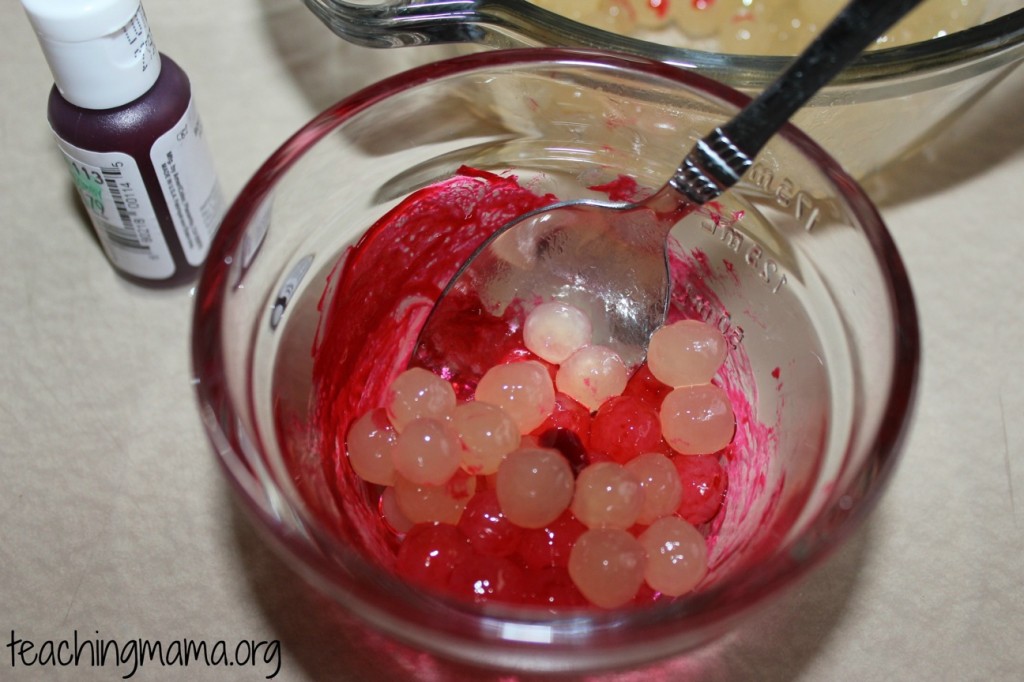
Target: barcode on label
{"type": "Point", "coordinates": [124, 235]}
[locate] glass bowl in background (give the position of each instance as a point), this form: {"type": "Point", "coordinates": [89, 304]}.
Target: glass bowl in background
{"type": "Point", "coordinates": [794, 265]}
{"type": "Point", "coordinates": [878, 110]}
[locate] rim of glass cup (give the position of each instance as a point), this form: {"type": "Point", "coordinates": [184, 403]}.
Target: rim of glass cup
{"type": "Point", "coordinates": [364, 587]}
{"type": "Point", "coordinates": [497, 22]}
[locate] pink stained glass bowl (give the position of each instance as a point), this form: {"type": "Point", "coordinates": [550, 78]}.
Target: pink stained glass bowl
{"type": "Point", "coordinates": [805, 279]}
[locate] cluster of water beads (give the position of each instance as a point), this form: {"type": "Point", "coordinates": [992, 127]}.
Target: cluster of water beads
{"type": "Point", "coordinates": [564, 481]}
{"type": "Point", "coordinates": [757, 27]}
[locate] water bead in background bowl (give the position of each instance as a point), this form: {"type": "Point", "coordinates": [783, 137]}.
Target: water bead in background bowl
{"type": "Point", "coordinates": [754, 27]}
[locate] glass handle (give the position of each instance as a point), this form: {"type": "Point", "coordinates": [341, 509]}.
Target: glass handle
{"type": "Point", "coordinates": [495, 23]}
{"type": "Point", "coordinates": [400, 23]}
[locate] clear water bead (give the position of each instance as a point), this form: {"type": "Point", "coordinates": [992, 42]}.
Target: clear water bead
{"type": "Point", "coordinates": [608, 495]}
{"type": "Point", "coordinates": [607, 565]}
{"type": "Point", "coordinates": [608, 15]}
{"type": "Point", "coordinates": [418, 393]}
{"type": "Point", "coordinates": [434, 503]}
{"type": "Point", "coordinates": [387, 506]}
{"type": "Point", "coordinates": [554, 331]}
{"type": "Point", "coordinates": [591, 375]}
{"type": "Point", "coordinates": [427, 453]}
{"type": "Point", "coordinates": [663, 489]}
{"type": "Point", "coordinates": [370, 445]}
{"type": "Point", "coordinates": [686, 353]}
{"type": "Point", "coordinates": [487, 433]}
{"type": "Point", "coordinates": [703, 18]}
{"type": "Point", "coordinates": [677, 556]}
{"type": "Point", "coordinates": [697, 420]}
{"type": "Point", "coordinates": [523, 389]}
{"type": "Point", "coordinates": [534, 486]}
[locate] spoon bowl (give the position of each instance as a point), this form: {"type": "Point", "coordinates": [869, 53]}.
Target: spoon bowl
{"type": "Point", "coordinates": [604, 258]}
{"type": "Point", "coordinates": [610, 259]}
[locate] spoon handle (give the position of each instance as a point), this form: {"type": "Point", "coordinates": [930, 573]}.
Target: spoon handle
{"type": "Point", "coordinates": [719, 160]}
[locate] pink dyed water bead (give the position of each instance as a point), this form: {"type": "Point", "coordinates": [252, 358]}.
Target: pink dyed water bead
{"type": "Point", "coordinates": [625, 427]}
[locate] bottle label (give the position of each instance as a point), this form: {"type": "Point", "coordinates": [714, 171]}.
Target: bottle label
{"type": "Point", "coordinates": [114, 195]}
{"type": "Point", "coordinates": [185, 170]}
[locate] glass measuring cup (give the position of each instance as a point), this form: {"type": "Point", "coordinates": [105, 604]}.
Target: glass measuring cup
{"type": "Point", "coordinates": [794, 266]}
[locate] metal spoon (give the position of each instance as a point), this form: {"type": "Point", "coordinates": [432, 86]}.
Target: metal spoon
{"type": "Point", "coordinates": [611, 258]}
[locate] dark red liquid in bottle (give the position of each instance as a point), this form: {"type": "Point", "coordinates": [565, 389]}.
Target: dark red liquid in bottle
{"type": "Point", "coordinates": [132, 129]}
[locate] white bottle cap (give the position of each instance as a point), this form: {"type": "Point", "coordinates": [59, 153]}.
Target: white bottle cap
{"type": "Point", "coordinates": [101, 52]}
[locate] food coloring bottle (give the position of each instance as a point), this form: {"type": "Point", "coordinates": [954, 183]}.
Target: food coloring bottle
{"type": "Point", "coordinates": [124, 118]}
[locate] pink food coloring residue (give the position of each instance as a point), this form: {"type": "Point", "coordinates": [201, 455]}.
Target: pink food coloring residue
{"type": "Point", "coordinates": [376, 301]}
